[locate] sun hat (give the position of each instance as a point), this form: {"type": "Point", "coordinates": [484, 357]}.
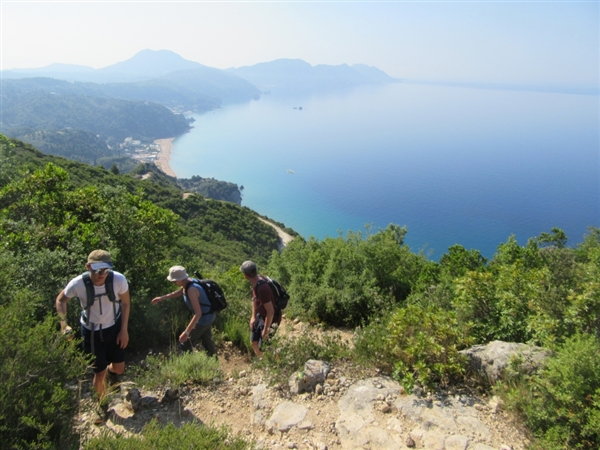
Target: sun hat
{"type": "Point", "coordinates": [100, 259]}
{"type": "Point", "coordinates": [177, 273]}
{"type": "Point", "coordinates": [248, 268]}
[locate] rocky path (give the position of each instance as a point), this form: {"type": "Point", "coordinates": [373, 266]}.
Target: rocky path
{"type": "Point", "coordinates": [349, 408]}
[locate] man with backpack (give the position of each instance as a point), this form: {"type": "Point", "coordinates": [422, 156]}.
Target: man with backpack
{"type": "Point", "coordinates": [264, 311]}
{"type": "Point", "coordinates": [104, 298]}
{"type": "Point", "coordinates": [198, 303]}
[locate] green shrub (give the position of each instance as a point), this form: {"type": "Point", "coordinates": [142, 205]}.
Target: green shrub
{"type": "Point", "coordinates": [423, 343]}
{"type": "Point", "coordinates": [347, 281]}
{"type": "Point", "coordinates": [237, 331]}
{"type": "Point", "coordinates": [284, 356]}
{"type": "Point", "coordinates": [175, 370]}
{"type": "Point", "coordinates": [561, 405]}
{"type": "Point", "coordinates": [190, 436]}
{"type": "Point", "coordinates": [370, 346]}
{"type": "Point", "coordinates": [36, 362]}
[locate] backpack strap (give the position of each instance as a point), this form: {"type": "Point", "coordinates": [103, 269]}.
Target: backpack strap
{"type": "Point", "coordinates": [259, 283]}
{"type": "Point", "coordinates": [266, 280]}
{"type": "Point", "coordinates": [91, 294]}
{"type": "Point", "coordinates": [197, 283]}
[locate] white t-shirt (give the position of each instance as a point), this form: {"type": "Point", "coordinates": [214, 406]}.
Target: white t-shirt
{"type": "Point", "coordinates": [101, 312]}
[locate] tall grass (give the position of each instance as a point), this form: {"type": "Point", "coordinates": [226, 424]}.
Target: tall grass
{"type": "Point", "coordinates": [175, 370]}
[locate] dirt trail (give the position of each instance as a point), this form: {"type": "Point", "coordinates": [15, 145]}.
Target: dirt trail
{"type": "Point", "coordinates": [284, 238]}
{"type": "Point", "coordinates": [232, 401]}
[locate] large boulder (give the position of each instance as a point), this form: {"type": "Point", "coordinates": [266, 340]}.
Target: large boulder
{"type": "Point", "coordinates": [490, 361]}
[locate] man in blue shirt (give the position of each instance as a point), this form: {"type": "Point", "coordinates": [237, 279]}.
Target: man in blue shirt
{"type": "Point", "coordinates": [196, 300]}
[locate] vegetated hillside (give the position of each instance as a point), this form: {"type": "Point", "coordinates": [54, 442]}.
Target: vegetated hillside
{"type": "Point", "coordinates": [411, 316]}
{"type": "Point", "coordinates": [112, 119]}
{"type": "Point", "coordinates": [219, 232]}
{"type": "Point", "coordinates": [79, 145]}
{"type": "Point", "coordinates": [211, 188]}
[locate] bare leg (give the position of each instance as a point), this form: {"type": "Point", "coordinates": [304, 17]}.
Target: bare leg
{"type": "Point", "coordinates": [99, 378]}
{"type": "Point", "coordinates": [117, 368]}
{"type": "Point", "coordinates": [256, 349]}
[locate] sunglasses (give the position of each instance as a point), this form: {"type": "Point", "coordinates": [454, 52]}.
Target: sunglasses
{"type": "Point", "coordinates": [100, 271]}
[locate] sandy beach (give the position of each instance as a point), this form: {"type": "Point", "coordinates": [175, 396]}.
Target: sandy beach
{"type": "Point", "coordinates": [162, 161]}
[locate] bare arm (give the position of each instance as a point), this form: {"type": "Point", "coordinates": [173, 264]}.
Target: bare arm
{"type": "Point", "coordinates": [269, 319]}
{"type": "Point", "coordinates": [123, 336]}
{"type": "Point", "coordinates": [177, 293]}
{"type": "Point", "coordinates": [253, 316]}
{"type": "Point", "coordinates": [61, 309]}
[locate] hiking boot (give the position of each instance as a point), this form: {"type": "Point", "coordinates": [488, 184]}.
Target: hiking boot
{"type": "Point", "coordinates": [113, 378]}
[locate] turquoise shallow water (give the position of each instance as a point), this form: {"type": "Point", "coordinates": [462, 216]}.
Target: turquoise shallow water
{"type": "Point", "coordinates": [455, 165]}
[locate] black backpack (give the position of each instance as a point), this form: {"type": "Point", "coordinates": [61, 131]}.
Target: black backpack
{"type": "Point", "coordinates": [215, 294]}
{"type": "Point", "coordinates": [279, 293]}
{"type": "Point", "coordinates": [91, 294]}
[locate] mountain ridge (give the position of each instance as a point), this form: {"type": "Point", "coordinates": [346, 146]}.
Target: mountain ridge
{"type": "Point", "coordinates": [151, 64]}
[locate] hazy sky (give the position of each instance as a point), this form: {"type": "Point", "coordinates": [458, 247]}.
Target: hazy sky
{"type": "Point", "coordinates": [499, 42]}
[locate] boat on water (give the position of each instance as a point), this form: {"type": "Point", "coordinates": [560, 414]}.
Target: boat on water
{"type": "Point", "coordinates": [290, 171]}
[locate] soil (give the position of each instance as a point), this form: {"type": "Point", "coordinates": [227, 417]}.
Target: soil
{"type": "Point", "coordinates": [229, 401]}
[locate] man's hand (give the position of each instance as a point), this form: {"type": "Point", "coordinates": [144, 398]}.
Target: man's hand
{"type": "Point", "coordinates": [184, 337]}
{"type": "Point", "coordinates": [123, 338]}
{"type": "Point", "coordinates": [156, 300]}
{"type": "Point", "coordinates": [265, 334]}
{"type": "Point", "coordinates": [68, 332]}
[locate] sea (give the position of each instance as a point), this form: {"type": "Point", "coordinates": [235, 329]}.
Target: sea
{"type": "Point", "coordinates": [454, 164]}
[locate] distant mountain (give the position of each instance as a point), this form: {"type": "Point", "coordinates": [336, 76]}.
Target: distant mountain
{"type": "Point", "coordinates": [295, 74]}
{"type": "Point", "coordinates": [151, 64]}
{"type": "Point", "coordinates": [144, 65]}
{"type": "Point", "coordinates": [374, 74]}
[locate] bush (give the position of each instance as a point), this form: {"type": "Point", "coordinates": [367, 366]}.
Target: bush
{"type": "Point", "coordinates": [347, 281]}
{"type": "Point", "coordinates": [421, 343]}
{"type": "Point", "coordinates": [561, 405]}
{"type": "Point", "coordinates": [285, 356]}
{"type": "Point", "coordinates": [190, 435]}
{"type": "Point", "coordinates": [36, 362]}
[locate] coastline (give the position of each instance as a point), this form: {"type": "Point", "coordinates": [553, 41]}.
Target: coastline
{"type": "Point", "coordinates": [162, 160]}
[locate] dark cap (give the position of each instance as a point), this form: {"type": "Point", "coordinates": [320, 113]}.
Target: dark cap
{"type": "Point", "coordinates": [248, 268]}
{"type": "Point", "coordinates": [100, 259]}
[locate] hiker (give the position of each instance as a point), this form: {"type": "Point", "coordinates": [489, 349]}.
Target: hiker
{"type": "Point", "coordinates": [104, 318]}
{"type": "Point", "coordinates": [264, 313]}
{"type": "Point", "coordinates": [196, 300]}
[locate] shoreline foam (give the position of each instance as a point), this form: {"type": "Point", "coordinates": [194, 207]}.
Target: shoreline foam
{"type": "Point", "coordinates": [162, 160]}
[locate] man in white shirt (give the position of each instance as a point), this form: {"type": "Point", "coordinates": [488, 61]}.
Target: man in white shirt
{"type": "Point", "coordinates": [104, 318]}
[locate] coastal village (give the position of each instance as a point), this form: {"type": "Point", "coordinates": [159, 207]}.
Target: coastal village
{"type": "Point", "coordinates": [158, 152]}
{"type": "Point", "coordinates": [139, 151]}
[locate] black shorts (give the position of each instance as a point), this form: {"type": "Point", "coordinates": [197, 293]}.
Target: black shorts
{"type": "Point", "coordinates": [256, 333]}
{"type": "Point", "coordinates": [106, 349]}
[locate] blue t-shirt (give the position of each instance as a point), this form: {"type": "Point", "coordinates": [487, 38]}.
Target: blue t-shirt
{"type": "Point", "coordinates": [206, 319]}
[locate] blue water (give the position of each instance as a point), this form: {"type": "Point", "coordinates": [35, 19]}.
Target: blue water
{"type": "Point", "coordinates": [455, 165]}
